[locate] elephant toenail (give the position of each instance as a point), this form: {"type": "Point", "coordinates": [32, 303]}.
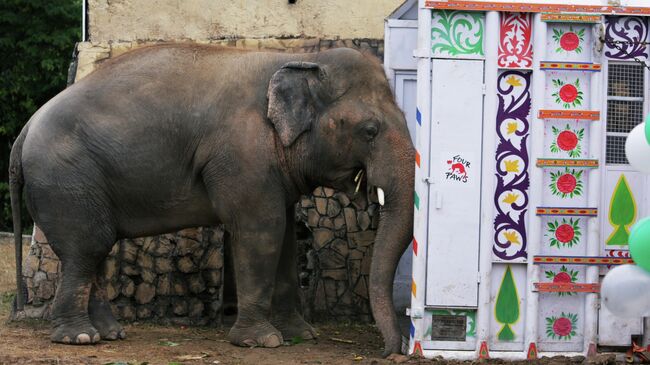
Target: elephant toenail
{"type": "Point", "coordinates": [83, 338]}
{"type": "Point", "coordinates": [250, 343]}
{"type": "Point", "coordinates": [66, 339]}
{"type": "Point", "coordinates": [96, 338]}
{"type": "Point", "coordinates": [272, 341]}
{"type": "Point", "coordinates": [122, 334]}
{"type": "Point", "coordinates": [111, 335]}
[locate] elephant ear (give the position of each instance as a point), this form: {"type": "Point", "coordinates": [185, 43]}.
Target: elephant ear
{"type": "Point", "coordinates": [295, 99]}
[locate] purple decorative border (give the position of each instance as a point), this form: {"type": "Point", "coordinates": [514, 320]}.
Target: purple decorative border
{"type": "Point", "coordinates": [631, 29]}
{"type": "Point", "coordinates": [514, 105]}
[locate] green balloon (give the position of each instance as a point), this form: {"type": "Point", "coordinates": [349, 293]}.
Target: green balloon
{"type": "Point", "coordinates": [640, 243]}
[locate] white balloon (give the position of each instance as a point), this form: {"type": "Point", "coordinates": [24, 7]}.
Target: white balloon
{"type": "Point", "coordinates": [625, 291]}
{"type": "Point", "coordinates": [637, 149]}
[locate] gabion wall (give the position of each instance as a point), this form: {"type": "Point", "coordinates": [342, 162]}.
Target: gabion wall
{"type": "Point", "coordinates": [179, 277]}
{"type": "Point", "coordinates": [172, 277]}
{"type": "Point", "coordinates": [335, 257]}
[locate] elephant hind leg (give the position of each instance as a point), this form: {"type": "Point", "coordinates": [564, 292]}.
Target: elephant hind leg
{"type": "Point", "coordinates": [70, 310]}
{"type": "Point", "coordinates": [82, 242]}
{"type": "Point", "coordinates": [101, 316]}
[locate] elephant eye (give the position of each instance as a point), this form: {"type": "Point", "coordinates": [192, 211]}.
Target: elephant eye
{"type": "Point", "coordinates": [370, 130]}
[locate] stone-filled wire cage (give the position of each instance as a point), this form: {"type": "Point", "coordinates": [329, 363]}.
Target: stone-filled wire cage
{"type": "Point", "coordinates": [181, 277]}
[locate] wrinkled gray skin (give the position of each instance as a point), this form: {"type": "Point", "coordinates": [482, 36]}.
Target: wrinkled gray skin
{"type": "Point", "coordinates": [176, 136]}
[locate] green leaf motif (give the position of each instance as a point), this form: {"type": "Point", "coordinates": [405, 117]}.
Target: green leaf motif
{"type": "Point", "coordinates": [457, 33]}
{"type": "Point", "coordinates": [622, 212]}
{"type": "Point", "coordinates": [506, 307]}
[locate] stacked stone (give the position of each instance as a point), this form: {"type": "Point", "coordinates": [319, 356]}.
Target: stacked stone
{"type": "Point", "coordinates": [168, 278]}
{"type": "Point", "coordinates": [177, 277]}
{"type": "Point", "coordinates": [338, 254]}
{"type": "Point", "coordinates": [41, 272]}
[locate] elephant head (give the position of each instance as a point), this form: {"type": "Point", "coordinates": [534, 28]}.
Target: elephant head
{"type": "Point", "coordinates": [337, 119]}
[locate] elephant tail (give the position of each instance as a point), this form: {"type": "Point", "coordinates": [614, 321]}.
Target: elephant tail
{"type": "Point", "coordinates": [16, 192]}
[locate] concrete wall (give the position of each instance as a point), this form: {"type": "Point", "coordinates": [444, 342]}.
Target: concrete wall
{"type": "Point", "coordinates": [142, 20]}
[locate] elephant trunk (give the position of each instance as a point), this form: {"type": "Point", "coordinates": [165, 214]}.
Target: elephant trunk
{"type": "Point", "coordinates": [393, 237]}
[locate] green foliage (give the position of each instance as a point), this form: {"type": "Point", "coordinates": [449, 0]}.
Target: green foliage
{"type": "Point", "coordinates": [37, 38]}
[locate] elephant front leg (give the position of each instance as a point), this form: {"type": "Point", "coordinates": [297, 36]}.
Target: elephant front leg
{"type": "Point", "coordinates": [286, 316]}
{"type": "Point", "coordinates": [256, 248]}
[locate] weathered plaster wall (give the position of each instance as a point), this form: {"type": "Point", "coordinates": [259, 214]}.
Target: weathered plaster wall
{"type": "Point", "coordinates": [137, 20]}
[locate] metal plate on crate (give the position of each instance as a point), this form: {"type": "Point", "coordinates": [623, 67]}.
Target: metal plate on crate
{"type": "Point", "coordinates": [448, 327]}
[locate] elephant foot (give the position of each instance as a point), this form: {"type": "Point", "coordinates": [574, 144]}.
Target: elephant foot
{"type": "Point", "coordinates": [392, 346]}
{"type": "Point", "coordinates": [292, 325]}
{"type": "Point", "coordinates": [75, 334]}
{"type": "Point", "coordinates": [109, 329]}
{"type": "Point", "coordinates": [258, 335]}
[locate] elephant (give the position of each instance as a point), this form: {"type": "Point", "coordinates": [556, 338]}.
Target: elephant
{"type": "Point", "coordinates": [182, 135]}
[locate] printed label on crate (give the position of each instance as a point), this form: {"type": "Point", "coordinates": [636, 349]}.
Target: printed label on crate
{"type": "Point", "coordinates": [458, 168]}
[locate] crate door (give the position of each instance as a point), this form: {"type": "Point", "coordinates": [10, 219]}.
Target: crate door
{"type": "Point", "coordinates": [455, 190]}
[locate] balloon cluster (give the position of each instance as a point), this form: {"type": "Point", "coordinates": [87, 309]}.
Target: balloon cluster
{"type": "Point", "coordinates": [626, 289]}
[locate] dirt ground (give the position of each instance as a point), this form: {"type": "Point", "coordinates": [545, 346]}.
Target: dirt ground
{"type": "Point", "coordinates": [27, 342]}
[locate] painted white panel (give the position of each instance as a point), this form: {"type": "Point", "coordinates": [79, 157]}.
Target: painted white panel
{"type": "Point", "coordinates": [561, 321]}
{"type": "Point", "coordinates": [405, 94]}
{"type": "Point", "coordinates": [403, 41]}
{"type": "Point", "coordinates": [455, 193]}
{"type": "Point", "coordinates": [568, 90]}
{"type": "Point", "coordinates": [569, 42]}
{"type": "Point", "coordinates": [566, 138]}
{"type": "Point", "coordinates": [562, 190]}
{"type": "Point", "coordinates": [616, 331]}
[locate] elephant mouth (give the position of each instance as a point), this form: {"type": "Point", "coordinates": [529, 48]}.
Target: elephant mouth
{"type": "Point", "coordinates": [356, 182]}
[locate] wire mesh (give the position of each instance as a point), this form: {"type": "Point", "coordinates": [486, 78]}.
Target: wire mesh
{"type": "Point", "coordinates": [625, 79]}
{"type": "Point", "coordinates": [624, 107]}
{"type": "Point", "coordinates": [623, 115]}
{"type": "Point", "coordinates": [615, 150]}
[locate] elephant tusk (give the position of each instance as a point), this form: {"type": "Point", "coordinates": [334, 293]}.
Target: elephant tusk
{"type": "Point", "coordinates": [380, 196]}
{"type": "Point", "coordinates": [359, 174]}
{"type": "Point", "coordinates": [358, 179]}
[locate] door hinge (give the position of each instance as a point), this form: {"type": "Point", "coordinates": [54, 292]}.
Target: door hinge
{"type": "Point", "coordinates": [484, 89]}
{"type": "Point", "coordinates": [478, 277]}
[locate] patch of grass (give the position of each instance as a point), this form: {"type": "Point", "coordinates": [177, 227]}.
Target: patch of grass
{"type": "Point", "coordinates": [8, 267]}
{"type": "Point", "coordinates": [6, 302]}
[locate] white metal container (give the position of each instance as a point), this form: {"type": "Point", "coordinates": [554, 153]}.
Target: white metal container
{"type": "Point", "coordinates": [523, 196]}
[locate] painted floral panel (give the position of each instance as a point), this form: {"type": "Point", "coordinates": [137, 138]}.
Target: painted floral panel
{"type": "Point", "coordinates": [512, 160]}
{"type": "Point", "coordinates": [457, 34]}
{"type": "Point", "coordinates": [624, 37]}
{"type": "Point", "coordinates": [515, 40]}
{"type": "Point", "coordinates": [567, 42]}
